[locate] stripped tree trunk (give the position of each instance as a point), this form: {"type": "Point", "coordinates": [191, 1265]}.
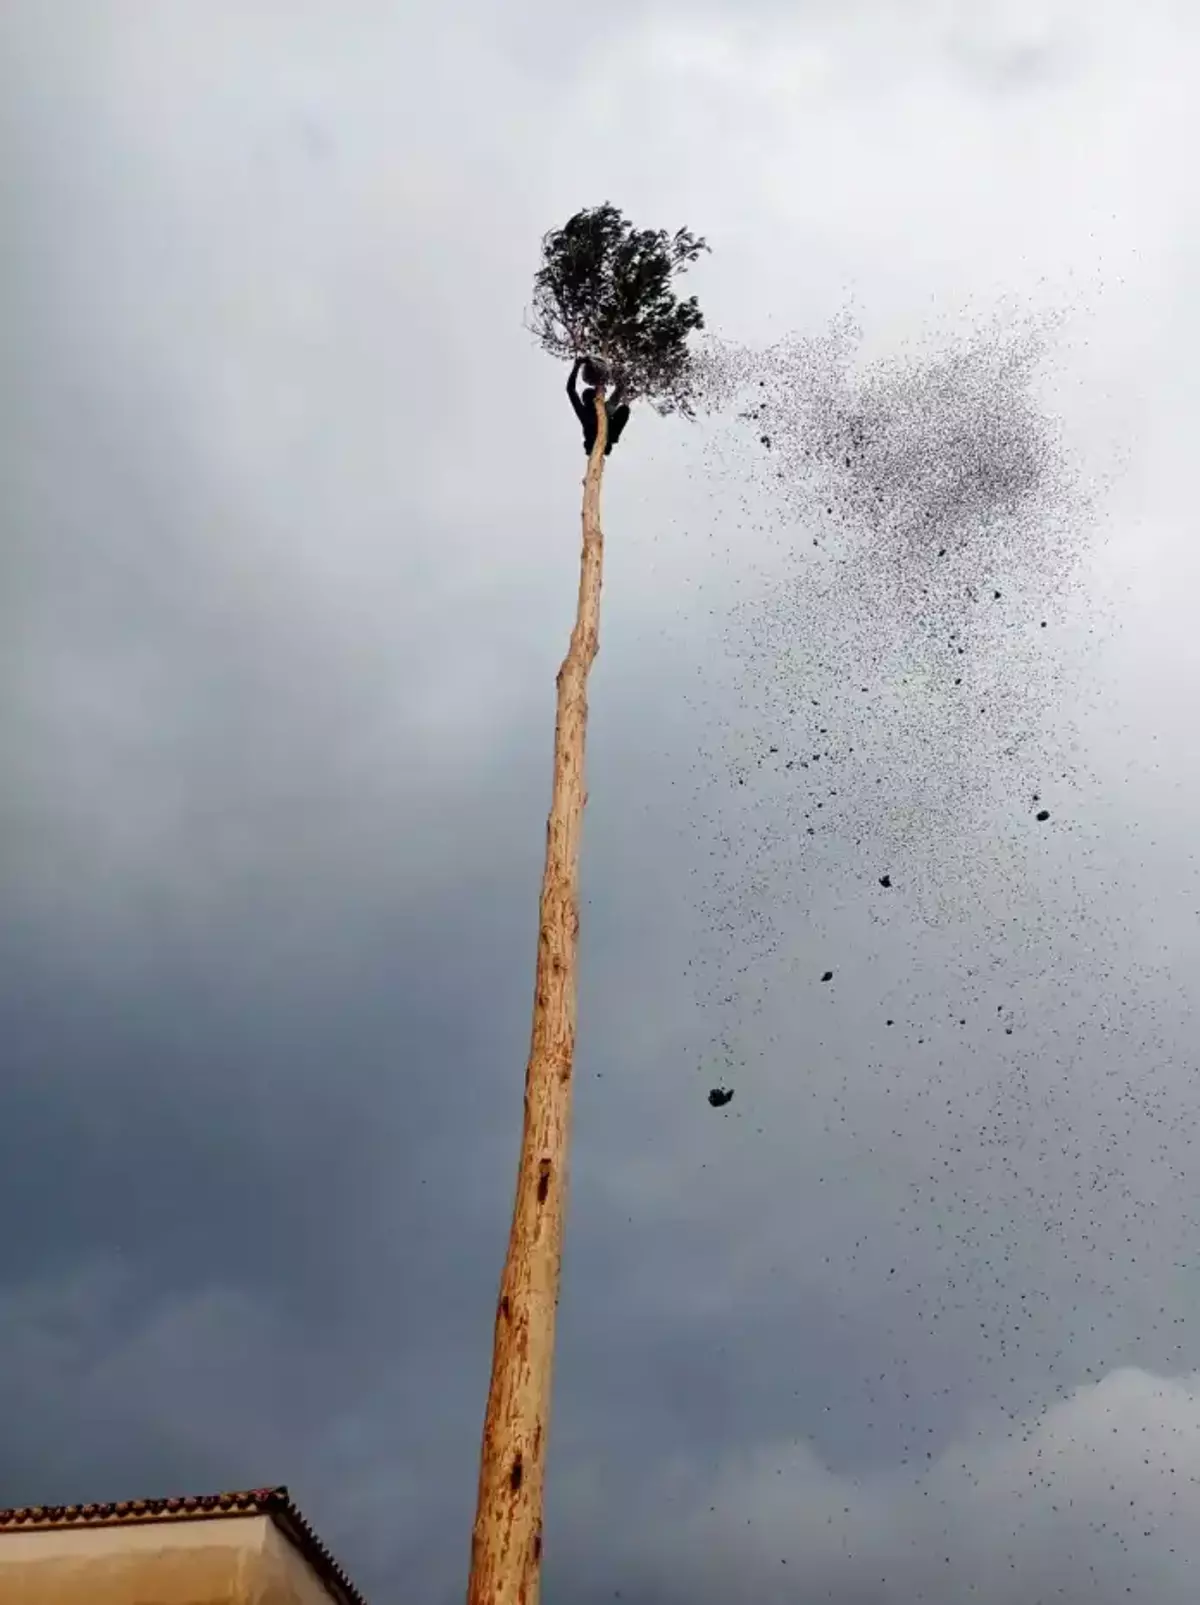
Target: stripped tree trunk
{"type": "Point", "coordinates": [506, 1547]}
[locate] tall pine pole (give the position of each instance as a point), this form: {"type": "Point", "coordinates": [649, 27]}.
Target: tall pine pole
{"type": "Point", "coordinates": [506, 1548]}
{"type": "Point", "coordinates": [603, 288]}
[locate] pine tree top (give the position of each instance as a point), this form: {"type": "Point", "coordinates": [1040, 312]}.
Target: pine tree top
{"type": "Point", "coordinates": [605, 291]}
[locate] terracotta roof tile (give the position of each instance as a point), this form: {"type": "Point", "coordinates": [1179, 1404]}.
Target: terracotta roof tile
{"type": "Point", "coordinates": [273, 1502]}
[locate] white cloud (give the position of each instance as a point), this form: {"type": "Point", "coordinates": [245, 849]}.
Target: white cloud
{"type": "Point", "coordinates": [1097, 1497]}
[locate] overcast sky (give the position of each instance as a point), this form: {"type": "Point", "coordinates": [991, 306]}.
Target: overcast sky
{"type": "Point", "coordinates": [287, 562]}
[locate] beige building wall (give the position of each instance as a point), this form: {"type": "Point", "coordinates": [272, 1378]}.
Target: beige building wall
{"type": "Point", "coordinates": [224, 1560]}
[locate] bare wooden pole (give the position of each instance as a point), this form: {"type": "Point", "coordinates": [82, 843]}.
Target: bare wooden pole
{"type": "Point", "coordinates": [506, 1546]}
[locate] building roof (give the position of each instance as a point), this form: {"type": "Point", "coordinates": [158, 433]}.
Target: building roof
{"type": "Point", "coordinates": [273, 1502]}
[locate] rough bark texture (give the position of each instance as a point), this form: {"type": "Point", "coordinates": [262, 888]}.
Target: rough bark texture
{"type": "Point", "coordinates": [506, 1548]}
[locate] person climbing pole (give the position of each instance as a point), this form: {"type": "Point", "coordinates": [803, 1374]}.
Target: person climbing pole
{"type": "Point", "coordinates": [615, 407]}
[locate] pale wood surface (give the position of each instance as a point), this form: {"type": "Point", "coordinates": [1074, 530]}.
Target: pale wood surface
{"type": "Point", "coordinates": [506, 1548]}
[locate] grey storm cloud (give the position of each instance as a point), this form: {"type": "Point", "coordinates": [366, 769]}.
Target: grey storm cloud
{"type": "Point", "coordinates": [289, 547]}
{"type": "Point", "coordinates": [1093, 1499]}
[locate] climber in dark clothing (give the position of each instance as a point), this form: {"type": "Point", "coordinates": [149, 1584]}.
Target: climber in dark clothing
{"type": "Point", "coordinates": [585, 409]}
